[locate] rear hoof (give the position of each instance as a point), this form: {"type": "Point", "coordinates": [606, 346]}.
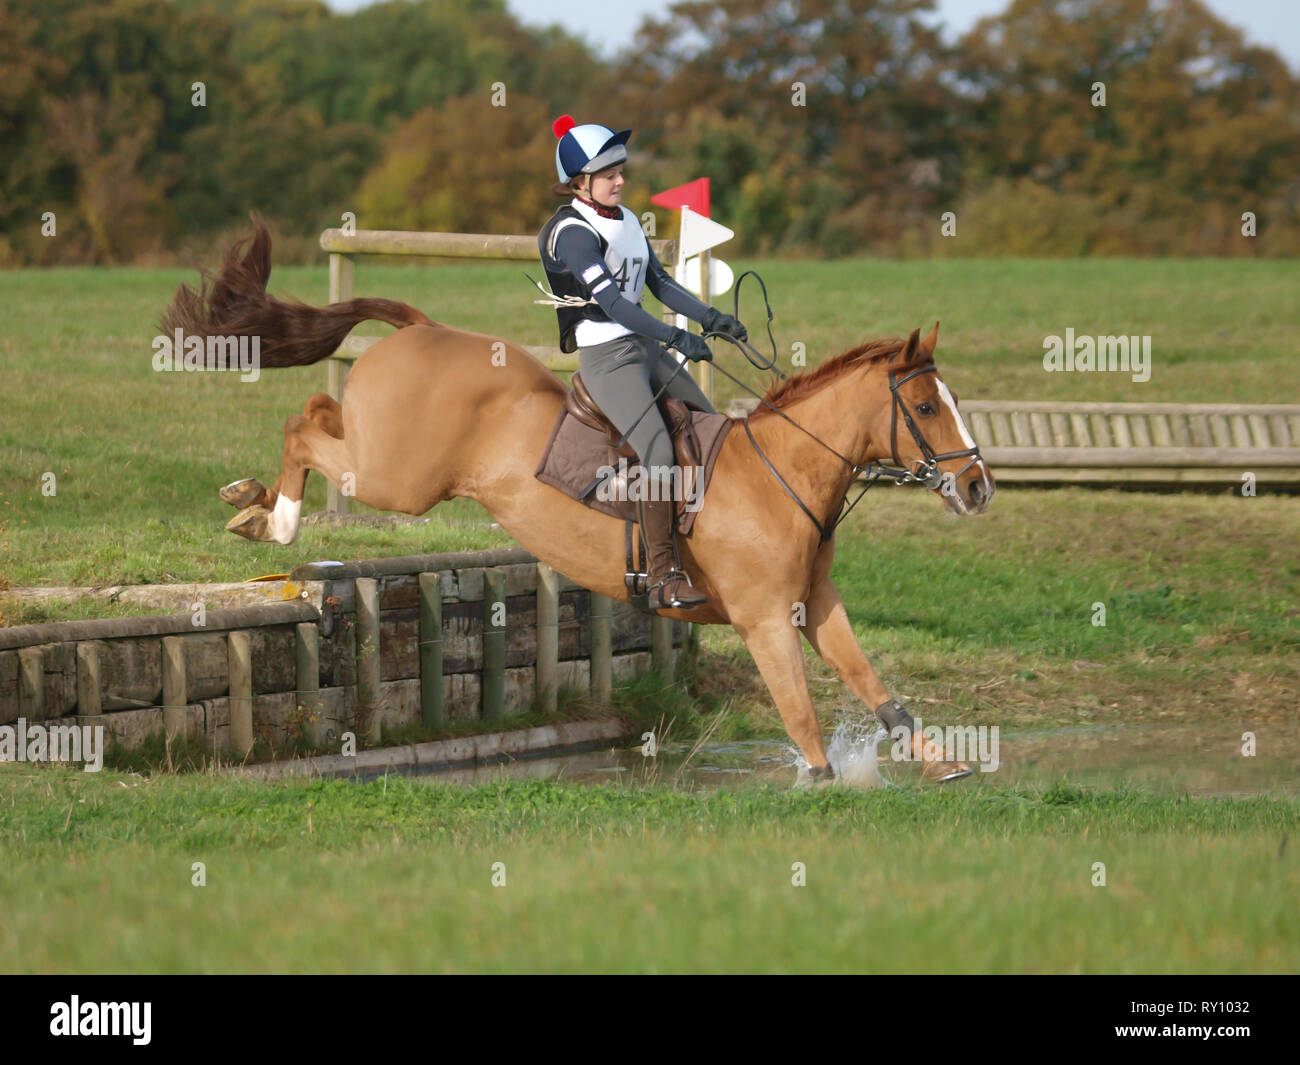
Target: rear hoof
{"type": "Point", "coordinates": [252, 523]}
{"type": "Point", "coordinates": [243, 493]}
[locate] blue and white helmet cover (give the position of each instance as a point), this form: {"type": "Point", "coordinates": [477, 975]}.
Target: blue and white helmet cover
{"type": "Point", "coordinates": [586, 149]}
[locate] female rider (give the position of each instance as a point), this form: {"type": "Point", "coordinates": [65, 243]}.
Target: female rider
{"type": "Point", "coordinates": [596, 254]}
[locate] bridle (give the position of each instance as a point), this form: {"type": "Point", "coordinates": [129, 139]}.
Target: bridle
{"type": "Point", "coordinates": [924, 470]}
{"type": "Point", "coordinates": [932, 476]}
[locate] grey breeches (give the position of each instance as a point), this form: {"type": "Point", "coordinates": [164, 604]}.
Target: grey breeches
{"type": "Point", "coordinates": [623, 376]}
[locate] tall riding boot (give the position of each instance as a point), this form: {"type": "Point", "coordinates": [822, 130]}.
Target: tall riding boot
{"type": "Point", "coordinates": [668, 585]}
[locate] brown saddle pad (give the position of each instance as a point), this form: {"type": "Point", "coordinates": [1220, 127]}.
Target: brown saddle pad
{"type": "Point", "coordinates": [576, 452]}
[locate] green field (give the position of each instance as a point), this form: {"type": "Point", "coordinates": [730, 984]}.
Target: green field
{"type": "Point", "coordinates": [985, 620]}
{"type": "Point", "coordinates": [396, 876]}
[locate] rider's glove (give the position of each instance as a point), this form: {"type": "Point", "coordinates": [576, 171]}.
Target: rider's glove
{"type": "Point", "coordinates": [690, 345]}
{"type": "Point", "coordinates": [717, 322]}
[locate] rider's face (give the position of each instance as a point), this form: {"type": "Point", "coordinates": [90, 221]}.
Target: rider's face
{"type": "Point", "coordinates": [607, 186]}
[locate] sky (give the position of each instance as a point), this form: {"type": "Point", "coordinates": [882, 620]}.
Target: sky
{"type": "Point", "coordinates": [1275, 23]}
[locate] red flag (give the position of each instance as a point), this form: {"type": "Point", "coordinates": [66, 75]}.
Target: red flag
{"type": "Point", "coordinates": [694, 194]}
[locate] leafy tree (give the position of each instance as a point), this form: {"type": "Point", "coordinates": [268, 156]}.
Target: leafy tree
{"type": "Point", "coordinates": [874, 109]}
{"type": "Point", "coordinates": [465, 167]}
{"type": "Point", "coordinates": [1197, 126]}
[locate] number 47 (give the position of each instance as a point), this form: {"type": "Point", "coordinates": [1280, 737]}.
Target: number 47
{"type": "Point", "coordinates": [622, 276]}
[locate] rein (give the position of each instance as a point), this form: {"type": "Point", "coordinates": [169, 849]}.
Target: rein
{"type": "Point", "coordinates": [927, 470]}
{"type": "Point", "coordinates": [924, 470]}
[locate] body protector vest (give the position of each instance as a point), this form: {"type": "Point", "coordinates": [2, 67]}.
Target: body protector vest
{"type": "Point", "coordinates": [626, 255]}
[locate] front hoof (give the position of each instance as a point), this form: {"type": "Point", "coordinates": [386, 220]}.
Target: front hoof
{"type": "Point", "coordinates": [252, 523]}
{"type": "Point", "coordinates": [815, 777]}
{"type": "Point", "coordinates": [243, 493]}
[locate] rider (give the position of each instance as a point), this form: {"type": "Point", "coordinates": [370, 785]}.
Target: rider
{"type": "Point", "coordinates": [595, 252]}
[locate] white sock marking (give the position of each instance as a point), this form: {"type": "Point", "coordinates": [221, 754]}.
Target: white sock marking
{"type": "Point", "coordinates": [284, 519]}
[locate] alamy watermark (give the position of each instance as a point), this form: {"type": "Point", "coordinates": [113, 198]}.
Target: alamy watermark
{"type": "Point", "coordinates": [179, 353]}
{"type": "Point", "coordinates": [21, 742]}
{"type": "Point", "coordinates": [961, 743]}
{"type": "Point", "coordinates": [1071, 354]}
{"type": "Point", "coordinates": [79, 1018]}
{"type": "Point", "coordinates": [635, 484]}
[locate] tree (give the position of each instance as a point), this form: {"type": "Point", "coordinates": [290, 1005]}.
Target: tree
{"type": "Point", "coordinates": [1196, 128]}
{"type": "Point", "coordinates": [840, 100]}
{"type": "Point", "coordinates": [466, 166]}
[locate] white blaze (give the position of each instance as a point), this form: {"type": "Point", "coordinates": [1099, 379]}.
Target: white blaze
{"type": "Point", "coordinates": [946, 398]}
{"type": "Point", "coordinates": [951, 404]}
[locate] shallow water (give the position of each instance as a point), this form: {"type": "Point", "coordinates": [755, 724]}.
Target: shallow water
{"type": "Point", "coordinates": [1192, 759]}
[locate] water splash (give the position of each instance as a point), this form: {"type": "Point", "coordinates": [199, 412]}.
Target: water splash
{"type": "Point", "coordinates": [851, 753]}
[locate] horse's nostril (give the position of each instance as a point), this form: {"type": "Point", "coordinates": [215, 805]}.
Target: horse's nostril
{"type": "Point", "coordinates": [977, 492]}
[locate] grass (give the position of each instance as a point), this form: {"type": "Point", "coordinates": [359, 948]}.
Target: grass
{"type": "Point", "coordinates": [396, 876]}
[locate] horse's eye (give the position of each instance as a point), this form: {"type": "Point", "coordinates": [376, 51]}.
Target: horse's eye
{"type": "Point", "coordinates": [925, 409]}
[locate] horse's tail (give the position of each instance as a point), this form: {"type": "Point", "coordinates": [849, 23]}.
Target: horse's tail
{"type": "Point", "coordinates": [234, 302]}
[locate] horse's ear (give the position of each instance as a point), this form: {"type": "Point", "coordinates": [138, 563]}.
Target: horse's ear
{"type": "Point", "coordinates": [931, 342]}
{"type": "Point", "coordinates": [908, 352]}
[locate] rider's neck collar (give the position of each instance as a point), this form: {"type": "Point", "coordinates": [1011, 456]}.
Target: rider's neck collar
{"type": "Point", "coordinates": [600, 209]}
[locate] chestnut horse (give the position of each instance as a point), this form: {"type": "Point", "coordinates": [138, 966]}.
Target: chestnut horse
{"type": "Point", "coordinates": [432, 412]}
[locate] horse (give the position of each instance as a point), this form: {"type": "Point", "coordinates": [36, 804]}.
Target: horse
{"type": "Point", "coordinates": [432, 412]}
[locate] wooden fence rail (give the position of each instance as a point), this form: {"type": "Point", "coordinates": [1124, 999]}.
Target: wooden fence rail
{"type": "Point", "coordinates": [393, 642]}
{"type": "Point", "coordinates": [1205, 443]}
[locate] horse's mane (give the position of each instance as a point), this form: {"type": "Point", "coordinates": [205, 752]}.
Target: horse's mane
{"type": "Point", "coordinates": [783, 393]}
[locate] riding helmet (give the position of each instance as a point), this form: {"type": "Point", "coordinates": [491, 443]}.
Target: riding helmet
{"type": "Point", "coordinates": [586, 149]}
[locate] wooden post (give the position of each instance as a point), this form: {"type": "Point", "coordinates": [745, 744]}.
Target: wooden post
{"type": "Point", "coordinates": [494, 647]}
{"type": "Point", "coordinates": [240, 659]}
{"type": "Point", "coordinates": [705, 369]}
{"type": "Point", "coordinates": [89, 700]}
{"type": "Point", "coordinates": [368, 677]}
{"type": "Point", "coordinates": [602, 648]}
{"type": "Point", "coordinates": [341, 275]}
{"type": "Point", "coordinates": [175, 686]}
{"type": "Point", "coordinates": [31, 683]}
{"type": "Point", "coordinates": [548, 637]}
{"type": "Point", "coordinates": [306, 662]}
{"type": "Point", "coordinates": [691, 644]}
{"type": "Point", "coordinates": [661, 646]}
{"type": "Point", "coordinates": [432, 710]}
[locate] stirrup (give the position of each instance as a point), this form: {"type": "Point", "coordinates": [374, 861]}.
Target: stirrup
{"type": "Point", "coordinates": [659, 602]}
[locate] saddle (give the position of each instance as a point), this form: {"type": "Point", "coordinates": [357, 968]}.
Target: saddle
{"type": "Point", "coordinates": [676, 413]}
{"type": "Point", "coordinates": [581, 449]}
